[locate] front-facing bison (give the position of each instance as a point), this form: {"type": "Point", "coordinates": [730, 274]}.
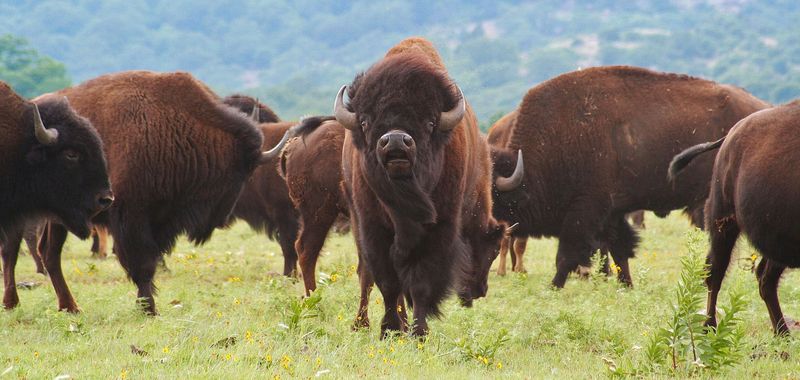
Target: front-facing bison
{"type": "Point", "coordinates": [178, 158]}
{"type": "Point", "coordinates": [417, 174]}
{"type": "Point", "coordinates": [51, 165]}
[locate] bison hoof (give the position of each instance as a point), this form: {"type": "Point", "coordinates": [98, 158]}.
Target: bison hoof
{"type": "Point", "coordinates": [360, 324]}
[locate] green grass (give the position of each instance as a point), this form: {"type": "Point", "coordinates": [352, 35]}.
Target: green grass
{"type": "Point", "coordinates": [225, 313]}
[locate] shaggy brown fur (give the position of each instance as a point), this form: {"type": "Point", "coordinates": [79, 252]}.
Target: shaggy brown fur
{"type": "Point", "coordinates": [313, 172]}
{"type": "Point", "coordinates": [754, 191]}
{"type": "Point", "coordinates": [596, 143]}
{"type": "Point", "coordinates": [65, 180]}
{"type": "Point", "coordinates": [409, 230]}
{"type": "Point", "coordinates": [178, 158]}
{"type": "Point", "coordinates": [265, 204]}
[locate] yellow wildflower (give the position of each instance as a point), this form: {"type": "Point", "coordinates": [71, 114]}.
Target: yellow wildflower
{"type": "Point", "coordinates": [123, 374]}
{"type": "Point", "coordinates": [36, 354]}
{"type": "Point", "coordinates": [165, 349]}
{"type": "Point", "coordinates": [236, 301]}
{"type": "Point", "coordinates": [377, 301]}
{"type": "Point", "coordinates": [499, 365]}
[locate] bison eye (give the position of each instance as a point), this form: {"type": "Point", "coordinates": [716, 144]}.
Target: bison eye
{"type": "Point", "coordinates": [71, 155]}
{"type": "Point", "coordinates": [431, 125]}
{"type": "Point", "coordinates": [363, 124]}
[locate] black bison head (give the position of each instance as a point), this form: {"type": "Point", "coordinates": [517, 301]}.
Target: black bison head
{"type": "Point", "coordinates": [65, 168]}
{"type": "Point", "coordinates": [401, 112]}
{"type": "Point", "coordinates": [508, 190]}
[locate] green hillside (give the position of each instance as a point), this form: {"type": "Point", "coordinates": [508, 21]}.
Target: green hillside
{"type": "Point", "coordinates": [295, 54]}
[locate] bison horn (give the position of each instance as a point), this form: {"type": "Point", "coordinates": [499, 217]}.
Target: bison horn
{"type": "Point", "coordinates": [343, 116]}
{"type": "Point", "coordinates": [449, 119]}
{"type": "Point", "coordinates": [43, 135]}
{"type": "Point", "coordinates": [275, 151]}
{"type": "Point", "coordinates": [513, 182]}
{"type": "Point", "coordinates": [256, 115]}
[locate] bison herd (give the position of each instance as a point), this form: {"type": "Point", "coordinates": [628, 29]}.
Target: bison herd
{"type": "Point", "coordinates": [431, 201]}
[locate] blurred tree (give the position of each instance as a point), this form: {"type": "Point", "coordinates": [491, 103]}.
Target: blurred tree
{"type": "Point", "coordinates": [29, 73]}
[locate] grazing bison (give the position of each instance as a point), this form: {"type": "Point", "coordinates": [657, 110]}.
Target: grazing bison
{"type": "Point", "coordinates": [499, 136]}
{"type": "Point", "coordinates": [417, 177]}
{"type": "Point", "coordinates": [595, 145]}
{"type": "Point", "coordinates": [51, 165]}
{"type": "Point", "coordinates": [753, 191]}
{"type": "Point", "coordinates": [264, 203]}
{"type": "Point", "coordinates": [178, 158]}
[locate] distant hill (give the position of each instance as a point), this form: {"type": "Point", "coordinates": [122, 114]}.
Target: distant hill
{"type": "Point", "coordinates": [295, 54]}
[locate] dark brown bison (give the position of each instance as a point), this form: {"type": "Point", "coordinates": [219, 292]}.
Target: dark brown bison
{"type": "Point", "coordinates": [417, 177]}
{"type": "Point", "coordinates": [178, 158]}
{"type": "Point", "coordinates": [595, 145]}
{"type": "Point", "coordinates": [51, 165]}
{"type": "Point", "coordinates": [499, 136]}
{"type": "Point", "coordinates": [753, 191]}
{"type": "Point", "coordinates": [264, 203]}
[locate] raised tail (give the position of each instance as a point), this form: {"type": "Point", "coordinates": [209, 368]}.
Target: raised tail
{"type": "Point", "coordinates": [680, 161]}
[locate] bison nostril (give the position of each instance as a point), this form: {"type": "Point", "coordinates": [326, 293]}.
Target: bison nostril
{"type": "Point", "coordinates": [383, 141]}
{"type": "Point", "coordinates": [408, 141]}
{"type": "Point", "coordinates": [105, 200]}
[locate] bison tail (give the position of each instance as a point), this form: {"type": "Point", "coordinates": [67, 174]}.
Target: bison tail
{"type": "Point", "coordinates": [683, 159]}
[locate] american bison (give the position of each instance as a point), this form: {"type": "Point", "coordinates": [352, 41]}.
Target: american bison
{"type": "Point", "coordinates": [417, 177]}
{"type": "Point", "coordinates": [499, 136]}
{"type": "Point", "coordinates": [595, 145]}
{"type": "Point", "coordinates": [264, 203]}
{"type": "Point", "coordinates": [178, 158]}
{"type": "Point", "coordinates": [312, 168]}
{"type": "Point", "coordinates": [51, 165]}
{"type": "Point", "coordinates": [753, 191]}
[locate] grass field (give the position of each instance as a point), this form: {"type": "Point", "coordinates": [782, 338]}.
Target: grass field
{"type": "Point", "coordinates": [225, 313]}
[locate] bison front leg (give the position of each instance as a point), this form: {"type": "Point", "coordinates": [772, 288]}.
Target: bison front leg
{"type": "Point", "coordinates": [9, 248]}
{"type": "Point", "coordinates": [429, 279]}
{"type": "Point", "coordinates": [55, 236]}
{"type": "Point", "coordinates": [580, 227]}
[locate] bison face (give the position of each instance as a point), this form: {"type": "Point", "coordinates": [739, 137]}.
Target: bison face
{"type": "Point", "coordinates": [401, 112]}
{"type": "Point", "coordinates": [484, 252]}
{"type": "Point", "coordinates": [66, 167]}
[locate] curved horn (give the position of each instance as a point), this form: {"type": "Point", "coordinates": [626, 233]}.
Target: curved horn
{"type": "Point", "coordinates": [276, 151]}
{"type": "Point", "coordinates": [43, 135]}
{"type": "Point", "coordinates": [256, 115]}
{"type": "Point", "coordinates": [510, 183]}
{"type": "Point", "coordinates": [343, 116]}
{"type": "Point", "coordinates": [449, 119]}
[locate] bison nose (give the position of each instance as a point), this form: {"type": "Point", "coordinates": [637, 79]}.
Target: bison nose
{"type": "Point", "coordinates": [104, 200]}
{"type": "Point", "coordinates": [396, 140]}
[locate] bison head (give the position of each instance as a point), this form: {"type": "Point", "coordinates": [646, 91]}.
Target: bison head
{"type": "Point", "coordinates": [508, 190]}
{"type": "Point", "coordinates": [484, 250]}
{"type": "Point", "coordinates": [401, 112]}
{"type": "Point", "coordinates": [65, 166]}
